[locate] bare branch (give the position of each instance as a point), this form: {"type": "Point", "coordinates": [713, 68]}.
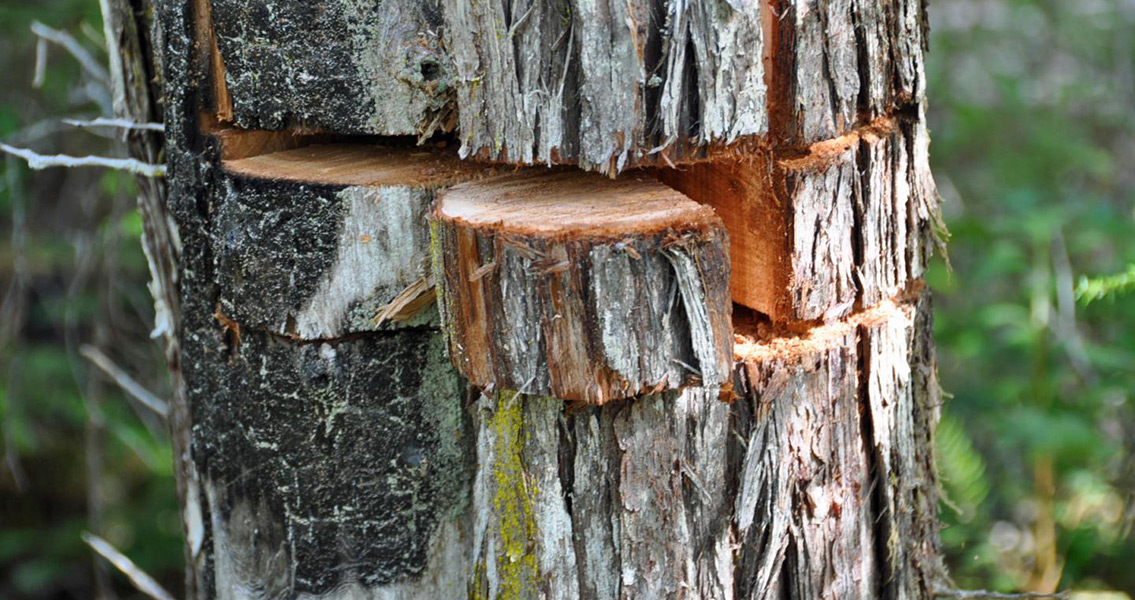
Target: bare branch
{"type": "Point", "coordinates": [143, 582]}
{"type": "Point", "coordinates": [985, 595]}
{"type": "Point", "coordinates": [124, 381]}
{"type": "Point", "coordinates": [118, 123]}
{"type": "Point", "coordinates": [40, 63]}
{"type": "Point", "coordinates": [70, 44]}
{"type": "Point", "coordinates": [39, 161]}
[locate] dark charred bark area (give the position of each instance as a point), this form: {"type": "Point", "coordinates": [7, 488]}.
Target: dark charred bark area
{"type": "Point", "coordinates": [326, 464]}
{"type": "Point", "coordinates": [350, 67]}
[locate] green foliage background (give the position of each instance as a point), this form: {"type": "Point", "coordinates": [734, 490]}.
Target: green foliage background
{"type": "Point", "coordinates": [1034, 150]}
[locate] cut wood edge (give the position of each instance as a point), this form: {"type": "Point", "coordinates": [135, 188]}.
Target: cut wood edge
{"type": "Point", "coordinates": [576, 286]}
{"type": "Point", "coordinates": [820, 232]}
{"type": "Point", "coordinates": [349, 233]}
{"type": "Point", "coordinates": [751, 346]}
{"type": "Point", "coordinates": [362, 164]}
{"type": "Point", "coordinates": [219, 103]}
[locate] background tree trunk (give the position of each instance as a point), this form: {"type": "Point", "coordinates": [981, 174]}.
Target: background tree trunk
{"type": "Point", "coordinates": [328, 447]}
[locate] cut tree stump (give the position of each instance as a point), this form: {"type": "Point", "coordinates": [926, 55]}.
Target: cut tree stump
{"type": "Point", "coordinates": [328, 240]}
{"type": "Point", "coordinates": [814, 235]}
{"type": "Point", "coordinates": [573, 285]}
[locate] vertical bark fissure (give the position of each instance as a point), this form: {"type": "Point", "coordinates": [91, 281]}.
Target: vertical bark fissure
{"type": "Point", "coordinates": [876, 507]}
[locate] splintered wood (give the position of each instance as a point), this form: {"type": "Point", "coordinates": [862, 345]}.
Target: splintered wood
{"type": "Point", "coordinates": [581, 287]}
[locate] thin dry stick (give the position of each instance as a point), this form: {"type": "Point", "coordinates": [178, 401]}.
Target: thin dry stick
{"type": "Point", "coordinates": [124, 381]}
{"type": "Point", "coordinates": [70, 44]}
{"type": "Point", "coordinates": [38, 162]}
{"type": "Point", "coordinates": [143, 582]}
{"type": "Point", "coordinates": [117, 123]}
{"type": "Point", "coordinates": [40, 63]}
{"type": "Point", "coordinates": [984, 595]}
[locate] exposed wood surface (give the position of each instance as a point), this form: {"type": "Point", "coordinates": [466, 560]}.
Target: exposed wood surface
{"type": "Point", "coordinates": [851, 222]}
{"type": "Point", "coordinates": [216, 100]}
{"type": "Point", "coordinates": [573, 285]}
{"type": "Point", "coordinates": [362, 164]}
{"type": "Point", "coordinates": [566, 204]}
{"type": "Point", "coordinates": [315, 242]}
{"type": "Point", "coordinates": [234, 143]}
{"type": "Point", "coordinates": [741, 193]}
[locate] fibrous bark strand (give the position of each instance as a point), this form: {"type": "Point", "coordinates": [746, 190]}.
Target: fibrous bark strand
{"type": "Point", "coordinates": [582, 287]}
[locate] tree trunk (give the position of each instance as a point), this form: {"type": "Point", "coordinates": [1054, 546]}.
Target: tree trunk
{"type": "Point", "coordinates": [341, 437]}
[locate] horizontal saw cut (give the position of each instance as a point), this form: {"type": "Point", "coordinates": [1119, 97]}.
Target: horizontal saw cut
{"type": "Point", "coordinates": [581, 287]}
{"type": "Point", "coordinates": [813, 235]}
{"type": "Point", "coordinates": [329, 240]}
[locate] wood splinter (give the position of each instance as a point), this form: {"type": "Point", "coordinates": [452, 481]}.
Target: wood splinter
{"type": "Point", "coordinates": [582, 287]}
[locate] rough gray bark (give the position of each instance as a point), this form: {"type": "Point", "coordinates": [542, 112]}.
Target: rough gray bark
{"type": "Point", "coordinates": [583, 307]}
{"type": "Point", "coordinates": [778, 494]}
{"type": "Point", "coordinates": [330, 448]}
{"type": "Point", "coordinates": [838, 64]}
{"type": "Point", "coordinates": [604, 84]}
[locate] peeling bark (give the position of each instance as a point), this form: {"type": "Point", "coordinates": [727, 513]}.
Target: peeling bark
{"type": "Point", "coordinates": [839, 64]}
{"type": "Point", "coordinates": [605, 84]}
{"type": "Point", "coordinates": [583, 288]}
{"type": "Point", "coordinates": [778, 494]}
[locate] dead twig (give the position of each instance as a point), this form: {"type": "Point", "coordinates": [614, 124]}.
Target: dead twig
{"type": "Point", "coordinates": [141, 581]}
{"type": "Point", "coordinates": [116, 123]}
{"type": "Point", "coordinates": [71, 45]}
{"type": "Point", "coordinates": [39, 162]}
{"type": "Point", "coordinates": [985, 595]}
{"type": "Point", "coordinates": [124, 381]}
